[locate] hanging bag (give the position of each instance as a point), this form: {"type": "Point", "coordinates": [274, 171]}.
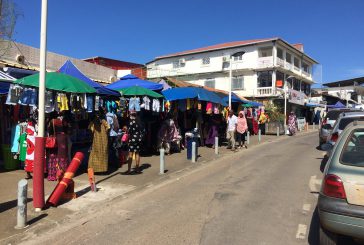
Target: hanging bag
{"type": "Point", "coordinates": [51, 139]}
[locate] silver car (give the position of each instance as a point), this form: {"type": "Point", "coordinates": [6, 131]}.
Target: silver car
{"type": "Point", "coordinates": [341, 198]}
{"type": "Point", "coordinates": [329, 121]}
{"type": "Point", "coordinates": [344, 119]}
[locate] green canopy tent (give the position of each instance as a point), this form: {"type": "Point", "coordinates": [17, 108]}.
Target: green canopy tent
{"type": "Point", "coordinates": [59, 82]}
{"type": "Point", "coordinates": [139, 91]}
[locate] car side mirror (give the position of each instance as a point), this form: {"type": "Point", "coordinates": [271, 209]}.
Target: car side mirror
{"type": "Point", "coordinates": [326, 147]}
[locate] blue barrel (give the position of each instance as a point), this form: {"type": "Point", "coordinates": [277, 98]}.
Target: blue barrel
{"type": "Point", "coordinates": [189, 147]}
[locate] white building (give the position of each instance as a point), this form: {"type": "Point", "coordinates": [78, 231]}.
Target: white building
{"type": "Point", "coordinates": [259, 67]}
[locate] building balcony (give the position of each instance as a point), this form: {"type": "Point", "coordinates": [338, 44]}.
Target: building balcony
{"type": "Point", "coordinates": [265, 62]}
{"type": "Point", "coordinates": [266, 92]}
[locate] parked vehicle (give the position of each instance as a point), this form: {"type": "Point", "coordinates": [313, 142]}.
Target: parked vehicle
{"type": "Point", "coordinates": [341, 198]}
{"type": "Point", "coordinates": [344, 119]}
{"type": "Point", "coordinates": [329, 121]}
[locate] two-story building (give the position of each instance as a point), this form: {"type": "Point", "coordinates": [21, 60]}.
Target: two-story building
{"type": "Point", "coordinates": [259, 68]}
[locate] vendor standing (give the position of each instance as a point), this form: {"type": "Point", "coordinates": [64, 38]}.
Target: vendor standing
{"type": "Point", "coordinates": [99, 152]}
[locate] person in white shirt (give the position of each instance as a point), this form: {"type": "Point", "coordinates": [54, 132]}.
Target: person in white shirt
{"type": "Point", "coordinates": [231, 129]}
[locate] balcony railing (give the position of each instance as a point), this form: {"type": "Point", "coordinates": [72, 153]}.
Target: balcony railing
{"type": "Point", "coordinates": [265, 62]}
{"type": "Point", "coordinates": [265, 91]}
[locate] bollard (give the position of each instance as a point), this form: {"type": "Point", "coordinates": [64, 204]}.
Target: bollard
{"type": "Point", "coordinates": [216, 145]}
{"type": "Point", "coordinates": [248, 138]}
{"type": "Point", "coordinates": [193, 151]}
{"type": "Point", "coordinates": [161, 161]}
{"type": "Point", "coordinates": [21, 221]}
{"type": "Point", "coordinates": [259, 136]}
{"type": "Point", "coordinates": [313, 125]}
{"type": "Point", "coordinates": [277, 131]}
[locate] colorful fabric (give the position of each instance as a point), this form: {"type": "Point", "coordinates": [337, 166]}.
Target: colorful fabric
{"type": "Point", "coordinates": [15, 135]}
{"type": "Point", "coordinates": [292, 123]}
{"type": "Point", "coordinates": [134, 104]}
{"type": "Point", "coordinates": [209, 108]}
{"type": "Point", "coordinates": [29, 159]}
{"type": "Point", "coordinates": [23, 147]}
{"type": "Point", "coordinates": [99, 154]}
{"type": "Point", "coordinates": [62, 102]}
{"type": "Point", "coordinates": [58, 156]}
{"type": "Point", "coordinates": [156, 105]}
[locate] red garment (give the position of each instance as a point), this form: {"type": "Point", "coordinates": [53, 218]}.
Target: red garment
{"type": "Point", "coordinates": [29, 160]}
{"type": "Point", "coordinates": [255, 126]}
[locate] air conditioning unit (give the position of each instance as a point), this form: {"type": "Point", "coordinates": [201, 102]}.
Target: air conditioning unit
{"type": "Point", "coordinates": [225, 59]}
{"type": "Point", "coordinates": [20, 59]}
{"type": "Point", "coordinates": [182, 61]}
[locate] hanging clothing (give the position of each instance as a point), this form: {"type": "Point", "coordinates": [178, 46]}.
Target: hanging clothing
{"type": "Point", "coordinates": [189, 104]}
{"type": "Point", "coordinates": [292, 124]}
{"type": "Point", "coordinates": [156, 105]}
{"type": "Point", "coordinates": [209, 108]}
{"type": "Point", "coordinates": [97, 103]}
{"type": "Point", "coordinates": [14, 94]}
{"type": "Point", "coordinates": [90, 103]}
{"type": "Point", "coordinates": [29, 159]}
{"type": "Point", "coordinates": [49, 101]}
{"type": "Point", "coordinates": [15, 135]}
{"type": "Point", "coordinates": [62, 102]}
{"type": "Point", "coordinates": [29, 96]}
{"type": "Point", "coordinates": [146, 101]}
{"type": "Point", "coordinates": [99, 152]}
{"type": "Point", "coordinates": [23, 147]}
{"type": "Point", "coordinates": [134, 104]}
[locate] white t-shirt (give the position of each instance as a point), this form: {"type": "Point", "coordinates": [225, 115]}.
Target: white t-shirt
{"type": "Point", "coordinates": [232, 121]}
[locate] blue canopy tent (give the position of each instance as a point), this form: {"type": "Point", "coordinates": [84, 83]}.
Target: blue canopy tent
{"type": "Point", "coordinates": [337, 105]}
{"type": "Point", "coordinates": [192, 93]}
{"type": "Point", "coordinates": [236, 99]}
{"type": "Point", "coordinates": [131, 80]}
{"type": "Point", "coordinates": [70, 69]}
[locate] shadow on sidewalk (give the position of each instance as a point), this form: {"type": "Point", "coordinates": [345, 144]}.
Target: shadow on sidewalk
{"type": "Point", "coordinates": [313, 235]}
{"type": "Point", "coordinates": [11, 204]}
{"type": "Point", "coordinates": [36, 219]}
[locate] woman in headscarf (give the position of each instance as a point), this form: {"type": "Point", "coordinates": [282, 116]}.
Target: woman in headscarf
{"type": "Point", "coordinates": [292, 121]}
{"type": "Point", "coordinates": [255, 122]}
{"type": "Point", "coordinates": [249, 119]}
{"type": "Point", "coordinates": [241, 129]}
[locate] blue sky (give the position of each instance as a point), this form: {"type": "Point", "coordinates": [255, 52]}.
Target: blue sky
{"type": "Point", "coordinates": [331, 30]}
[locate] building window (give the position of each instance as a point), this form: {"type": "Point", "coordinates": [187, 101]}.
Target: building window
{"type": "Point", "coordinates": [238, 57]}
{"type": "Point", "coordinates": [280, 53]}
{"type": "Point", "coordinates": [264, 79]}
{"type": "Point", "coordinates": [305, 67]}
{"type": "Point", "coordinates": [265, 52]}
{"type": "Point", "coordinates": [296, 84]}
{"type": "Point", "coordinates": [289, 58]}
{"type": "Point", "coordinates": [237, 83]}
{"type": "Point", "coordinates": [296, 62]}
{"type": "Point", "coordinates": [308, 89]}
{"type": "Point", "coordinates": [210, 83]}
{"type": "Point", "coordinates": [225, 65]}
{"type": "Point", "coordinates": [176, 64]}
{"type": "Point", "coordinates": [279, 79]}
{"type": "Point", "coordinates": [206, 61]}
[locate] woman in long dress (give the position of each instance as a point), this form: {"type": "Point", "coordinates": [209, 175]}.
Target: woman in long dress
{"type": "Point", "coordinates": [292, 121]}
{"type": "Point", "coordinates": [135, 142]}
{"type": "Point", "coordinates": [99, 152]}
{"type": "Point", "coordinates": [58, 156]}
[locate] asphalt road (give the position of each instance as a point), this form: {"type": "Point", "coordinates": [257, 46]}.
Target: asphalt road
{"type": "Point", "coordinates": [263, 195]}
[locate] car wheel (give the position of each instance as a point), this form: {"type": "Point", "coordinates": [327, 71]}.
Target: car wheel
{"type": "Point", "coordinates": [327, 237]}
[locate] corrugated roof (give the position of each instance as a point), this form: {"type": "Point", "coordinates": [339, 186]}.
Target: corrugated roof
{"type": "Point", "coordinates": [219, 46]}
{"type": "Point", "coordinates": [6, 77]}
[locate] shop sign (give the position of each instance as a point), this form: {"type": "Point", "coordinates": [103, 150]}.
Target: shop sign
{"type": "Point", "coordinates": [296, 97]}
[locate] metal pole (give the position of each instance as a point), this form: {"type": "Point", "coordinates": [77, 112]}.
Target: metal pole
{"type": "Point", "coordinates": [216, 145]}
{"type": "Point", "coordinates": [277, 131]}
{"type": "Point", "coordinates": [38, 179]}
{"type": "Point", "coordinates": [161, 161]}
{"type": "Point", "coordinates": [259, 136]}
{"type": "Point", "coordinates": [285, 107]}
{"type": "Point", "coordinates": [230, 81]}
{"type": "Point", "coordinates": [21, 221]}
{"type": "Point", "coordinates": [193, 151]}
{"type": "Point", "coordinates": [248, 138]}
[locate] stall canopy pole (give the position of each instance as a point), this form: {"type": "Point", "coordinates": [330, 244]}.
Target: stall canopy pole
{"type": "Point", "coordinates": [230, 81]}
{"type": "Point", "coordinates": [38, 172]}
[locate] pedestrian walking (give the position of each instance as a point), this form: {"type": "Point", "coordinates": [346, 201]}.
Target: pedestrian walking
{"type": "Point", "coordinates": [241, 129]}
{"type": "Point", "coordinates": [262, 120]}
{"type": "Point", "coordinates": [292, 123]}
{"type": "Point", "coordinates": [231, 130]}
{"type": "Point", "coordinates": [136, 132]}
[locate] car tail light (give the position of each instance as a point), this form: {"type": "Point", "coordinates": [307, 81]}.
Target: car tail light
{"type": "Point", "coordinates": [334, 137]}
{"type": "Point", "coordinates": [334, 187]}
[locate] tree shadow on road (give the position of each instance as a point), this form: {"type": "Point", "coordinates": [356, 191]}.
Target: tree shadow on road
{"type": "Point", "coordinates": [11, 204]}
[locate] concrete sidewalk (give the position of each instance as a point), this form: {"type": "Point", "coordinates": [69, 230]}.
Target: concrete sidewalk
{"type": "Point", "coordinates": [109, 187]}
